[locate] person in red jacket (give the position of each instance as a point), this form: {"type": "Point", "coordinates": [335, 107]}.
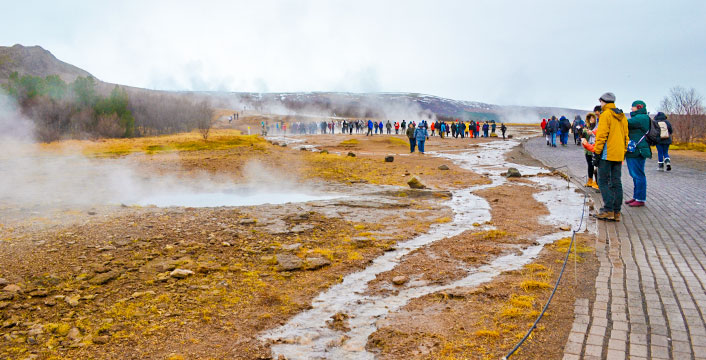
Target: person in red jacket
{"type": "Point", "coordinates": [544, 130]}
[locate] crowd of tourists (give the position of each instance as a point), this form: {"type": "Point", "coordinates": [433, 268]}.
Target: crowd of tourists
{"type": "Point", "coordinates": [610, 138]}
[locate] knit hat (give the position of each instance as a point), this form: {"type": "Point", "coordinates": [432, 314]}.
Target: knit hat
{"type": "Point", "coordinates": [608, 97]}
{"type": "Point", "coordinates": [639, 104]}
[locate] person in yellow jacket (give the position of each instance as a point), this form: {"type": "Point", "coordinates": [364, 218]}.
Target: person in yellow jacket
{"type": "Point", "coordinates": [610, 147]}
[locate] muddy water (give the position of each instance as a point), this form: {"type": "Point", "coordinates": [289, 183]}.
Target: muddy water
{"type": "Point", "coordinates": [307, 336]}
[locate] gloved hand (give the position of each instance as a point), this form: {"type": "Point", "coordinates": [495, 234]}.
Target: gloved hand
{"type": "Point", "coordinates": [596, 160]}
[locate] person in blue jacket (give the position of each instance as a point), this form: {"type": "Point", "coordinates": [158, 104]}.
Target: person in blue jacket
{"type": "Point", "coordinates": [370, 128]}
{"type": "Point", "coordinates": [552, 127]}
{"type": "Point", "coordinates": [485, 129]}
{"type": "Point", "coordinates": [421, 135]}
{"type": "Point", "coordinates": [564, 127]}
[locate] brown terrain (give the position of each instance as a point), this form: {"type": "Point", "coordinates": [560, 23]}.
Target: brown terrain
{"type": "Point", "coordinates": [131, 282]}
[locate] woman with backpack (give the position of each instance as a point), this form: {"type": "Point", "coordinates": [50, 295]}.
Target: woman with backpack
{"type": "Point", "coordinates": [638, 151]}
{"type": "Point", "coordinates": [588, 133]}
{"type": "Point", "coordinates": [665, 139]}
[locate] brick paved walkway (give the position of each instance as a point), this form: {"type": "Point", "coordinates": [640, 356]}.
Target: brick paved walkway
{"type": "Point", "coordinates": [651, 286]}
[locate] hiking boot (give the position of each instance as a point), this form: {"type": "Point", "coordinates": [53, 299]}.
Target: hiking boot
{"type": "Point", "coordinates": [660, 166]}
{"type": "Point", "coordinates": [616, 216]}
{"type": "Point", "coordinates": [605, 215]}
{"type": "Point", "coordinates": [630, 201]}
{"type": "Point", "coordinates": [636, 204]}
{"type": "Point", "coordinates": [595, 185]}
{"type": "Point", "coordinates": [668, 163]}
{"type": "Point", "coordinates": [589, 183]}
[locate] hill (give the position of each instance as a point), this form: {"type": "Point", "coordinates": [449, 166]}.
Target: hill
{"type": "Point", "coordinates": [35, 61]}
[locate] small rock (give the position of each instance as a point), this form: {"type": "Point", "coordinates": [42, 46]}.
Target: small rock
{"type": "Point", "coordinates": [399, 280]}
{"type": "Point", "coordinates": [181, 273]}
{"type": "Point", "coordinates": [138, 294]}
{"type": "Point", "coordinates": [39, 293]}
{"type": "Point", "coordinates": [389, 158]}
{"type": "Point", "coordinates": [509, 136]}
{"type": "Point", "coordinates": [247, 222]}
{"type": "Point", "coordinates": [415, 184]}
{"type": "Point", "coordinates": [72, 300]}
{"type": "Point", "coordinates": [100, 340]}
{"type": "Point", "coordinates": [6, 296]}
{"type": "Point", "coordinates": [163, 276]}
{"type": "Point", "coordinates": [351, 154]}
{"type": "Point", "coordinates": [74, 334]}
{"type": "Point", "coordinates": [315, 263]}
{"type": "Point", "coordinates": [3, 282]}
{"type": "Point", "coordinates": [36, 330]}
{"type": "Point", "coordinates": [565, 228]}
{"type": "Point", "coordinates": [3, 304]}
{"type": "Point", "coordinates": [443, 167]}
{"type": "Point", "coordinates": [31, 341]}
{"type": "Point", "coordinates": [292, 247]}
{"type": "Point", "coordinates": [289, 262]}
{"type": "Point", "coordinates": [12, 288]}
{"type": "Point", "coordinates": [323, 151]}
{"type": "Point", "coordinates": [513, 173]}
{"type": "Point", "coordinates": [101, 279]}
{"type": "Point", "coordinates": [226, 244]}
{"type": "Point", "coordinates": [50, 302]}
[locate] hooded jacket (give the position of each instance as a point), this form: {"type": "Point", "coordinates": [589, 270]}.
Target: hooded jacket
{"type": "Point", "coordinates": [638, 126]}
{"type": "Point", "coordinates": [420, 133]}
{"type": "Point", "coordinates": [564, 125]}
{"type": "Point", "coordinates": [661, 118]}
{"type": "Point", "coordinates": [552, 126]}
{"type": "Point", "coordinates": [410, 132]}
{"type": "Point", "coordinates": [612, 133]}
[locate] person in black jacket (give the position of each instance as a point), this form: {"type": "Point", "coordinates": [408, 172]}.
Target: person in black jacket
{"type": "Point", "coordinates": [665, 129]}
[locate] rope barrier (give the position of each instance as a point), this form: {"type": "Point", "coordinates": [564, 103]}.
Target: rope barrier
{"type": "Point", "coordinates": [566, 258]}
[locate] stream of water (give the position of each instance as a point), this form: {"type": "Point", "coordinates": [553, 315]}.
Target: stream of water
{"type": "Point", "coordinates": [307, 335]}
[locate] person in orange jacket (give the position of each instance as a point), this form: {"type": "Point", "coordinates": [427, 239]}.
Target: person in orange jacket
{"type": "Point", "coordinates": [432, 128]}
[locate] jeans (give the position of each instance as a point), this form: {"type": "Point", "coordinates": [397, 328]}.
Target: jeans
{"type": "Point", "coordinates": [609, 182]}
{"type": "Point", "coordinates": [553, 139]}
{"type": "Point", "coordinates": [564, 138]}
{"type": "Point", "coordinates": [420, 145]}
{"type": "Point", "coordinates": [636, 167]}
{"type": "Point", "coordinates": [662, 152]}
{"type": "Point", "coordinates": [370, 131]}
{"type": "Point", "coordinates": [412, 144]}
{"type": "Point", "coordinates": [485, 133]}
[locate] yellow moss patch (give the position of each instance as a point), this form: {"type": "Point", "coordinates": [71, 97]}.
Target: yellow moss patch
{"type": "Point", "coordinates": [487, 333]}
{"type": "Point", "coordinates": [349, 143]}
{"type": "Point", "coordinates": [529, 285]}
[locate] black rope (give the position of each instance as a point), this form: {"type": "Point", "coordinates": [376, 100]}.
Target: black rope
{"type": "Point", "coordinates": [566, 258]}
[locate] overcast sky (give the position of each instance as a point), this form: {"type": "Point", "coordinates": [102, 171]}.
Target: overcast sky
{"type": "Point", "coordinates": [540, 52]}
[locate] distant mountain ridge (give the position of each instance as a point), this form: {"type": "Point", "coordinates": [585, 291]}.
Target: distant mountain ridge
{"type": "Point", "coordinates": [36, 61]}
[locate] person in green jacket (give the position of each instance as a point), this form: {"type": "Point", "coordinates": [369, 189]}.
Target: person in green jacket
{"type": "Point", "coordinates": [638, 126]}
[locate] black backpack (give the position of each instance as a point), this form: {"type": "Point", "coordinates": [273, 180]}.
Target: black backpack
{"type": "Point", "coordinates": [653, 135]}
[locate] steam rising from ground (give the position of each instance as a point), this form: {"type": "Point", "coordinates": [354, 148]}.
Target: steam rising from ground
{"type": "Point", "coordinates": [39, 180]}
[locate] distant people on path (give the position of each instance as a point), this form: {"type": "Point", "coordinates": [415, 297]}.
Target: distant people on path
{"type": "Point", "coordinates": [404, 126]}
{"type": "Point", "coordinates": [577, 129]}
{"type": "Point", "coordinates": [611, 145]}
{"type": "Point", "coordinates": [485, 129]}
{"type": "Point", "coordinates": [564, 128]}
{"type": "Point", "coordinates": [370, 128]}
{"type": "Point", "coordinates": [638, 151]}
{"type": "Point", "coordinates": [492, 127]}
{"type": "Point", "coordinates": [412, 140]}
{"type": "Point", "coordinates": [589, 140]}
{"type": "Point", "coordinates": [665, 139]}
{"type": "Point", "coordinates": [397, 128]}
{"type": "Point", "coordinates": [503, 129]}
{"type": "Point", "coordinates": [420, 133]}
{"type": "Point", "coordinates": [388, 127]}
{"type": "Point", "coordinates": [552, 128]}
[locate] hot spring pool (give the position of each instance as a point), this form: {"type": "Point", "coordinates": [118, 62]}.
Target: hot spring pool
{"type": "Point", "coordinates": [216, 199]}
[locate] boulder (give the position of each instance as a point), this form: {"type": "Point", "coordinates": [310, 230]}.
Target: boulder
{"type": "Point", "coordinates": [415, 184]}
{"type": "Point", "coordinates": [389, 158]}
{"type": "Point", "coordinates": [351, 154]}
{"type": "Point", "coordinates": [513, 173]}
{"type": "Point", "coordinates": [12, 288]}
{"type": "Point", "coordinates": [288, 262]}
{"type": "Point", "coordinates": [3, 282]}
{"type": "Point", "coordinates": [72, 300]}
{"type": "Point", "coordinates": [443, 167]}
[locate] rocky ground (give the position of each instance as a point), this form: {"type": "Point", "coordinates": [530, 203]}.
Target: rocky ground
{"type": "Point", "coordinates": [129, 282]}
